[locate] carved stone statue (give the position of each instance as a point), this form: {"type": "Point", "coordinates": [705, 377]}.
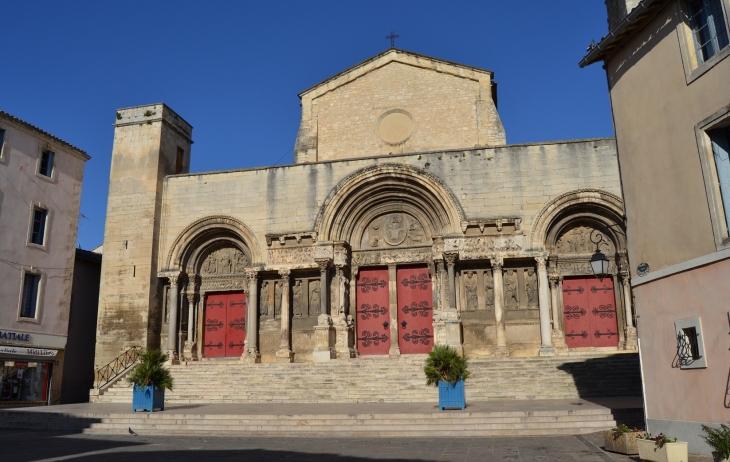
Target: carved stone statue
{"type": "Point", "coordinates": [314, 299]}
{"type": "Point", "coordinates": [416, 236]}
{"type": "Point", "coordinates": [228, 260]}
{"type": "Point", "coordinates": [297, 299]}
{"type": "Point", "coordinates": [510, 289]}
{"type": "Point", "coordinates": [489, 287]}
{"type": "Point", "coordinates": [264, 299]}
{"type": "Point", "coordinates": [277, 298]}
{"type": "Point", "coordinates": [531, 287]}
{"type": "Point", "coordinates": [241, 262]}
{"type": "Point", "coordinates": [470, 284]}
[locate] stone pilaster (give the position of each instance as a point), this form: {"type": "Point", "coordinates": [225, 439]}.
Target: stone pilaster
{"type": "Point", "coordinates": [450, 316]}
{"type": "Point", "coordinates": [632, 342]}
{"type": "Point", "coordinates": [324, 338]}
{"type": "Point", "coordinates": [543, 297]}
{"type": "Point", "coordinates": [393, 305]}
{"type": "Point", "coordinates": [190, 351]}
{"type": "Point", "coordinates": [172, 309]}
{"type": "Point", "coordinates": [558, 337]}
{"type": "Point", "coordinates": [251, 353]}
{"type": "Point", "coordinates": [285, 354]}
{"type": "Point", "coordinates": [500, 350]}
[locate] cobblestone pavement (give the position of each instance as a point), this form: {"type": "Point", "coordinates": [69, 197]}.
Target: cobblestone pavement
{"type": "Point", "coordinates": [22, 446]}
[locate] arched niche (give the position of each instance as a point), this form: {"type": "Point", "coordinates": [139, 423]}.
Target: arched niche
{"type": "Point", "coordinates": [386, 190]}
{"type": "Point", "coordinates": [216, 238]}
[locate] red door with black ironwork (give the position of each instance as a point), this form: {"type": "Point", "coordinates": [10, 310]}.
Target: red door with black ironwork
{"type": "Point", "coordinates": [415, 310]}
{"type": "Point", "coordinates": [225, 325]}
{"type": "Point", "coordinates": [373, 314]}
{"type": "Point", "coordinates": [589, 311]}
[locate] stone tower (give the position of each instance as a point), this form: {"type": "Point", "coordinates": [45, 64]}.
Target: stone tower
{"type": "Point", "coordinates": [150, 142]}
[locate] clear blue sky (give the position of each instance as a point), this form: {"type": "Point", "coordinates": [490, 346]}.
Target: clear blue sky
{"type": "Point", "coordinates": [233, 69]}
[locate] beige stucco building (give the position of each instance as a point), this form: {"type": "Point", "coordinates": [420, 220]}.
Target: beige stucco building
{"type": "Point", "coordinates": [669, 79]}
{"type": "Point", "coordinates": [406, 220]}
{"type": "Point", "coordinates": [40, 193]}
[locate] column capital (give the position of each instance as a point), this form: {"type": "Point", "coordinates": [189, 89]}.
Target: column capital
{"type": "Point", "coordinates": [450, 257]}
{"type": "Point", "coordinates": [497, 262]}
{"type": "Point", "coordinates": [285, 273]}
{"type": "Point", "coordinates": [323, 263]}
{"type": "Point", "coordinates": [541, 262]}
{"type": "Point", "coordinates": [252, 274]}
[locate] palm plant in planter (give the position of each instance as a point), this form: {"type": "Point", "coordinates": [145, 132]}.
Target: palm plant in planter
{"type": "Point", "coordinates": [719, 441]}
{"type": "Point", "coordinates": [150, 379]}
{"type": "Point", "coordinates": [448, 370]}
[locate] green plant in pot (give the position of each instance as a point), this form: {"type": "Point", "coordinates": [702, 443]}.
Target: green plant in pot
{"type": "Point", "coordinates": [448, 370]}
{"type": "Point", "coordinates": [150, 378]}
{"type": "Point", "coordinates": [719, 441]}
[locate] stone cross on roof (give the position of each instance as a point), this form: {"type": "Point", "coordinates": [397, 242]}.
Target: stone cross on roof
{"type": "Point", "coordinates": [392, 38]}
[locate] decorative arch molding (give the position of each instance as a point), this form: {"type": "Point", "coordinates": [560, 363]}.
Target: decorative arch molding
{"type": "Point", "coordinates": [588, 205]}
{"type": "Point", "coordinates": [198, 237]}
{"type": "Point", "coordinates": [388, 187]}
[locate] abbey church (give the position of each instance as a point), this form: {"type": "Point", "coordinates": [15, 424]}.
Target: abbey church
{"type": "Point", "coordinates": [405, 221]}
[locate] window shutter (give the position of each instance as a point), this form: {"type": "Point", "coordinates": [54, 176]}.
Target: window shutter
{"type": "Point", "coordinates": [721, 152]}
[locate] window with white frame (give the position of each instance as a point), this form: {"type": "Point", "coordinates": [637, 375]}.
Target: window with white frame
{"type": "Point", "coordinates": [39, 220]}
{"type": "Point", "coordinates": [29, 298]}
{"type": "Point", "coordinates": [690, 344]}
{"type": "Point", "coordinates": [720, 141]}
{"type": "Point", "coordinates": [46, 165]}
{"type": "Point", "coordinates": [709, 29]}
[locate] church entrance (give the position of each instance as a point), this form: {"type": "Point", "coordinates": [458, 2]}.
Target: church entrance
{"type": "Point", "coordinates": [589, 311]}
{"type": "Point", "coordinates": [225, 325]}
{"type": "Point", "coordinates": [415, 310]}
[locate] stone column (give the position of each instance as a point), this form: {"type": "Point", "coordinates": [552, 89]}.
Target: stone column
{"type": "Point", "coordinates": [324, 333]}
{"type": "Point", "coordinates": [189, 352]}
{"type": "Point", "coordinates": [543, 297]}
{"type": "Point", "coordinates": [393, 299]}
{"type": "Point", "coordinates": [343, 324]}
{"type": "Point", "coordinates": [323, 264]}
{"type": "Point", "coordinates": [251, 353]}
{"type": "Point", "coordinates": [501, 349]}
{"type": "Point", "coordinates": [285, 354]}
{"type": "Point", "coordinates": [631, 335]}
{"type": "Point", "coordinates": [558, 338]}
{"type": "Point", "coordinates": [450, 258]}
{"type": "Point", "coordinates": [200, 323]}
{"type": "Point", "coordinates": [172, 323]}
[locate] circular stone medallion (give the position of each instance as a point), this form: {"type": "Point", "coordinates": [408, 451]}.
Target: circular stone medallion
{"type": "Point", "coordinates": [395, 126]}
{"type": "Point", "coordinates": [394, 229]}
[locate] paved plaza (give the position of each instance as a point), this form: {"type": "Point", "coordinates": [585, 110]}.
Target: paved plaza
{"type": "Point", "coordinates": [50, 446]}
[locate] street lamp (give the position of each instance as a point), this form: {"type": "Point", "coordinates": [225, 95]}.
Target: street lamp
{"type": "Point", "coordinates": [599, 261]}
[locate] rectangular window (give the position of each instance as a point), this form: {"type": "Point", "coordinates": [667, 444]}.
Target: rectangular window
{"type": "Point", "coordinates": [690, 335]}
{"type": "Point", "coordinates": [2, 139]}
{"type": "Point", "coordinates": [707, 21]}
{"type": "Point", "coordinates": [720, 139]}
{"type": "Point", "coordinates": [31, 283]}
{"type": "Point", "coordinates": [179, 161]}
{"type": "Point", "coordinates": [38, 227]}
{"type": "Point", "coordinates": [46, 167]}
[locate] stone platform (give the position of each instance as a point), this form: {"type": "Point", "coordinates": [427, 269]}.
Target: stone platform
{"type": "Point", "coordinates": [396, 380]}
{"type": "Point", "coordinates": [343, 420]}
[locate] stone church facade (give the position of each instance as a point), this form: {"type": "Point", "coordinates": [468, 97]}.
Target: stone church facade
{"type": "Point", "coordinates": [405, 221]}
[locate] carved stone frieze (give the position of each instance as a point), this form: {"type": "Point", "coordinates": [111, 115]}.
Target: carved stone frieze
{"type": "Point", "coordinates": [323, 252]}
{"type": "Point", "coordinates": [295, 255]}
{"type": "Point", "coordinates": [214, 283]}
{"type": "Point", "coordinates": [484, 247]}
{"type": "Point", "coordinates": [578, 267]}
{"type": "Point", "coordinates": [229, 260]}
{"type": "Point", "coordinates": [390, 257]}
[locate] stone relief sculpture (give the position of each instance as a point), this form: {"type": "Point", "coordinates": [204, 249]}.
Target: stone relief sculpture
{"type": "Point", "coordinates": [314, 298]}
{"type": "Point", "coordinates": [264, 299]}
{"type": "Point", "coordinates": [578, 240]}
{"type": "Point", "coordinates": [297, 300]}
{"type": "Point", "coordinates": [531, 287]}
{"type": "Point", "coordinates": [489, 287]}
{"type": "Point", "coordinates": [229, 260]}
{"type": "Point", "coordinates": [302, 255]}
{"type": "Point", "coordinates": [510, 289]}
{"type": "Point", "coordinates": [483, 247]}
{"type": "Point", "coordinates": [393, 230]}
{"type": "Point", "coordinates": [470, 284]}
{"type": "Point", "coordinates": [277, 298]}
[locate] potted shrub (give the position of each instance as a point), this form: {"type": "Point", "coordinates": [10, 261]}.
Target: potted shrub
{"type": "Point", "coordinates": [661, 448]}
{"type": "Point", "coordinates": [446, 369]}
{"type": "Point", "coordinates": [622, 439]}
{"type": "Point", "coordinates": [150, 379]}
{"type": "Point", "coordinates": [719, 441]}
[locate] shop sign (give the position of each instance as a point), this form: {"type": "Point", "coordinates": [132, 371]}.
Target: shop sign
{"type": "Point", "coordinates": [7, 335]}
{"type": "Point", "coordinates": [10, 350]}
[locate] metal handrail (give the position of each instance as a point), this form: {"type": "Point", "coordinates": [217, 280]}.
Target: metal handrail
{"type": "Point", "coordinates": [111, 371]}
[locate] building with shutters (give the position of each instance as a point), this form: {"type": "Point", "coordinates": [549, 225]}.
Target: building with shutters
{"type": "Point", "coordinates": [40, 194]}
{"type": "Point", "coordinates": [405, 221]}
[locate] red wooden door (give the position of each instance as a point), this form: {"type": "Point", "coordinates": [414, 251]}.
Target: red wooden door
{"type": "Point", "coordinates": [602, 304]}
{"type": "Point", "coordinates": [415, 310]}
{"type": "Point", "coordinates": [589, 312]}
{"type": "Point", "coordinates": [225, 325]}
{"type": "Point", "coordinates": [373, 314]}
{"type": "Point", "coordinates": [235, 323]}
{"type": "Point", "coordinates": [214, 335]}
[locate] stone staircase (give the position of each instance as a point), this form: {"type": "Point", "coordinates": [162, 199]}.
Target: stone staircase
{"type": "Point", "coordinates": [391, 380]}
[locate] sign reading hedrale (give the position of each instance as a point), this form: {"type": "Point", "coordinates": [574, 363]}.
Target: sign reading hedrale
{"type": "Point", "coordinates": [14, 336]}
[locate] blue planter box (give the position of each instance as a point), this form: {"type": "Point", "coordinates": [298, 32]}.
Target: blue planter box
{"type": "Point", "coordinates": [148, 398]}
{"type": "Point", "coordinates": [452, 395]}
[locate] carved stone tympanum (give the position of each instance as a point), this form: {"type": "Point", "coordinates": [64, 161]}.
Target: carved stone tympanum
{"type": "Point", "coordinates": [224, 261]}
{"type": "Point", "coordinates": [395, 229]}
